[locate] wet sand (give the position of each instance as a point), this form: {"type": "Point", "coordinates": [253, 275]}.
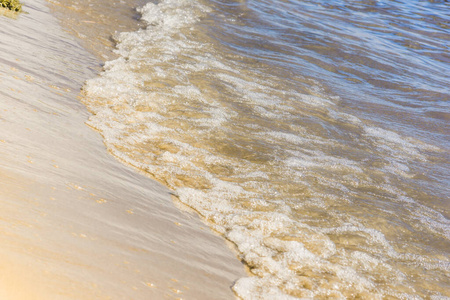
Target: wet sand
{"type": "Point", "coordinates": [74, 222]}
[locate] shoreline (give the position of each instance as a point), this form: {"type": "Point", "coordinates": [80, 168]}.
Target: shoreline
{"type": "Point", "coordinates": [76, 223]}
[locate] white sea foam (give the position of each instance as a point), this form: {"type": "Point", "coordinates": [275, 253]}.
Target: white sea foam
{"type": "Point", "coordinates": [308, 205]}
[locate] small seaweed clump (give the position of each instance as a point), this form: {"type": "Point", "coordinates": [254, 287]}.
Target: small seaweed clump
{"type": "Point", "coordinates": [13, 5]}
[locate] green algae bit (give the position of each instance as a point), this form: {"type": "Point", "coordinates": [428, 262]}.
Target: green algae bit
{"type": "Point", "coordinates": [13, 5]}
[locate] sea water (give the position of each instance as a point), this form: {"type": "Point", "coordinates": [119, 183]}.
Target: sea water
{"type": "Point", "coordinates": [314, 135]}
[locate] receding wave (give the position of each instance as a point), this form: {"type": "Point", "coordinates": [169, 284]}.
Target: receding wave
{"type": "Point", "coordinates": [319, 201]}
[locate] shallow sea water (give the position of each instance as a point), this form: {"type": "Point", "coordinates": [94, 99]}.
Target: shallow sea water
{"type": "Point", "coordinates": [313, 135]}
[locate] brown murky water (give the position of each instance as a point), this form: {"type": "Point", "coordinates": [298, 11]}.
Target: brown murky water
{"type": "Point", "coordinates": [312, 135]}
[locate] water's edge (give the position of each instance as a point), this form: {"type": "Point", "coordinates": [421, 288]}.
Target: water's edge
{"type": "Point", "coordinates": [75, 223]}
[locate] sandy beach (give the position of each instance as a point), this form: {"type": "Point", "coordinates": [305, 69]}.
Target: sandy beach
{"type": "Point", "coordinates": [74, 222]}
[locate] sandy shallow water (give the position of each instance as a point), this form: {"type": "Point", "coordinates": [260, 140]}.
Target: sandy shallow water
{"type": "Point", "coordinates": [74, 222]}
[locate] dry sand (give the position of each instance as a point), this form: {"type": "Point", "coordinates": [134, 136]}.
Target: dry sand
{"type": "Point", "coordinates": [74, 222]}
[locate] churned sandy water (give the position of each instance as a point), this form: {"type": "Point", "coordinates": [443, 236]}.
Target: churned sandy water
{"type": "Point", "coordinates": [75, 223]}
{"type": "Point", "coordinates": [311, 134]}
